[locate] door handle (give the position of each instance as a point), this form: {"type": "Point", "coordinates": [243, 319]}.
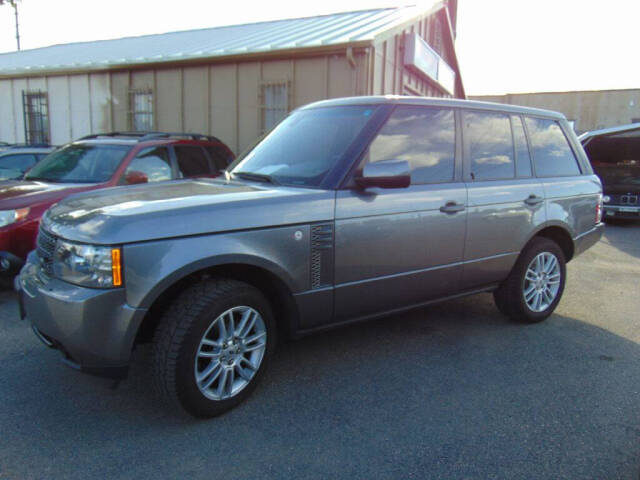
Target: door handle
{"type": "Point", "coordinates": [451, 208]}
{"type": "Point", "coordinates": [533, 200]}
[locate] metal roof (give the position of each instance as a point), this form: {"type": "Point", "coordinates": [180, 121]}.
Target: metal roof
{"type": "Point", "coordinates": [297, 33]}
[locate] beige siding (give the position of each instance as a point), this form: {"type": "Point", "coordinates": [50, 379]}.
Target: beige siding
{"type": "Point", "coordinates": [120, 101]}
{"type": "Point", "coordinates": [8, 122]}
{"type": "Point", "coordinates": [59, 110]}
{"type": "Point", "coordinates": [341, 77]}
{"type": "Point", "coordinates": [168, 100]}
{"type": "Point", "coordinates": [224, 113]}
{"type": "Point", "coordinates": [248, 106]}
{"type": "Point", "coordinates": [80, 110]}
{"type": "Point", "coordinates": [100, 104]}
{"type": "Point", "coordinates": [18, 86]}
{"type": "Point", "coordinates": [310, 81]}
{"type": "Point", "coordinates": [196, 101]}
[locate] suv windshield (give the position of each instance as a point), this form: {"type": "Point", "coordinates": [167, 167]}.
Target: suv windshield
{"type": "Point", "coordinates": [80, 163]}
{"type": "Point", "coordinates": [304, 148]}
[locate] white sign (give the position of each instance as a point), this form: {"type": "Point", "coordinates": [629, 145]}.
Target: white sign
{"type": "Point", "coordinates": [420, 57]}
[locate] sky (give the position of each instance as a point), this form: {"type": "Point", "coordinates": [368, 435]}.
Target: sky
{"type": "Point", "coordinates": [504, 46]}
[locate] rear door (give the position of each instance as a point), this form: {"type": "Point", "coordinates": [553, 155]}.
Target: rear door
{"type": "Point", "coordinates": [401, 247]}
{"type": "Point", "coordinates": [192, 162]}
{"type": "Point", "coordinates": [505, 200]}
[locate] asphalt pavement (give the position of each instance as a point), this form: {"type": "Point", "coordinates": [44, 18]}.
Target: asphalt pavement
{"type": "Point", "coordinates": [452, 391]}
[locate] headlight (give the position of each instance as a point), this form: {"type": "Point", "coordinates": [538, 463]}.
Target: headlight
{"type": "Point", "coordinates": [87, 265]}
{"type": "Point", "coordinates": [606, 199]}
{"type": "Point", "coordinates": [8, 217]}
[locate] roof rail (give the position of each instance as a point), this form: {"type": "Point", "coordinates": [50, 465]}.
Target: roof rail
{"type": "Point", "coordinates": [152, 135]}
{"type": "Point", "coordinates": [192, 136]}
{"type": "Point", "coordinates": [28, 145]}
{"type": "Point", "coordinates": [113, 134]}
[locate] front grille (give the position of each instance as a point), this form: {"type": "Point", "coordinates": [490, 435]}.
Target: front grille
{"type": "Point", "coordinates": [45, 246]}
{"type": "Point", "coordinates": [629, 200]}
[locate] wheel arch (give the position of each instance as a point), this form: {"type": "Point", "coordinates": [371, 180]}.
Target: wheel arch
{"type": "Point", "coordinates": [559, 234]}
{"type": "Point", "coordinates": [259, 273]}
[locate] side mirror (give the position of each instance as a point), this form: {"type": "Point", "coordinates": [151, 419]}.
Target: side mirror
{"type": "Point", "coordinates": [385, 174]}
{"type": "Point", "coordinates": [134, 177]}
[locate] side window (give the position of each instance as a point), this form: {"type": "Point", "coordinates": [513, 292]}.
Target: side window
{"type": "Point", "coordinates": [552, 155]}
{"type": "Point", "coordinates": [153, 162]}
{"type": "Point", "coordinates": [221, 157]}
{"type": "Point", "coordinates": [523, 158]}
{"type": "Point", "coordinates": [21, 162]}
{"type": "Point", "coordinates": [490, 145]}
{"type": "Point", "coordinates": [424, 137]}
{"type": "Point", "coordinates": [192, 161]}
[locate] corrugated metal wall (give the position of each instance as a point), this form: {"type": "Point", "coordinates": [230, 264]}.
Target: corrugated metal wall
{"type": "Point", "coordinates": [221, 100]}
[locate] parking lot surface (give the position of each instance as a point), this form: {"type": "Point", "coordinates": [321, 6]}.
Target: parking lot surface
{"type": "Point", "coordinates": [450, 391]}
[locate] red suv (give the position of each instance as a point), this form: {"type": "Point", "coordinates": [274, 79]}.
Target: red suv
{"type": "Point", "coordinates": [93, 162]}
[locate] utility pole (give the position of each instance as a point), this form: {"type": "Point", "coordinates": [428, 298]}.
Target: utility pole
{"type": "Point", "coordinates": [14, 4]}
{"type": "Point", "coordinates": [15, 8]}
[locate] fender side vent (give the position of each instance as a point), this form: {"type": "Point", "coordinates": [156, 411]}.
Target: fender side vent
{"type": "Point", "coordinates": [321, 255]}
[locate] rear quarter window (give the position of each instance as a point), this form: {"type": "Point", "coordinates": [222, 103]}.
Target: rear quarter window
{"type": "Point", "coordinates": [552, 155]}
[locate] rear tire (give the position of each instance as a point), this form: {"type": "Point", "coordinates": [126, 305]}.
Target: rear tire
{"type": "Point", "coordinates": [535, 285]}
{"type": "Point", "coordinates": [212, 346]}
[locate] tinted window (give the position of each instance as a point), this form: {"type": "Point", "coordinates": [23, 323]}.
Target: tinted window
{"type": "Point", "coordinates": [523, 159]}
{"type": "Point", "coordinates": [192, 161]}
{"type": "Point", "coordinates": [221, 157]}
{"type": "Point", "coordinates": [490, 145]}
{"type": "Point", "coordinates": [306, 145]}
{"type": "Point", "coordinates": [153, 162]}
{"type": "Point", "coordinates": [552, 154]}
{"type": "Point", "coordinates": [20, 162]}
{"type": "Point", "coordinates": [80, 163]}
{"type": "Point", "coordinates": [424, 137]}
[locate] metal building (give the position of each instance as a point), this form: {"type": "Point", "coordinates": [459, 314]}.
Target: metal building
{"type": "Point", "coordinates": [586, 110]}
{"type": "Point", "coordinates": [233, 82]}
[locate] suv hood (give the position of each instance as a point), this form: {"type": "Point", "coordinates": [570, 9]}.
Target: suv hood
{"type": "Point", "coordinates": [20, 194]}
{"type": "Point", "coordinates": [183, 207]}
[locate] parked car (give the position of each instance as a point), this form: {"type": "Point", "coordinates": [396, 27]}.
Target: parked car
{"type": "Point", "coordinates": [615, 157]}
{"type": "Point", "coordinates": [94, 162]}
{"type": "Point", "coordinates": [15, 161]}
{"type": "Point", "coordinates": [349, 209]}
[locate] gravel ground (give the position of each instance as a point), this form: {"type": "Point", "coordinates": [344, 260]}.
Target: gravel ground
{"type": "Point", "coordinates": [450, 391]}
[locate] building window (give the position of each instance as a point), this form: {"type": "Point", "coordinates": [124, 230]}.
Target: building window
{"type": "Point", "coordinates": [35, 106]}
{"type": "Point", "coordinates": [141, 110]}
{"type": "Point", "coordinates": [274, 103]}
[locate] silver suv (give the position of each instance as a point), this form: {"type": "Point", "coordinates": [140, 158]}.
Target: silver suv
{"type": "Point", "coordinates": [350, 209]}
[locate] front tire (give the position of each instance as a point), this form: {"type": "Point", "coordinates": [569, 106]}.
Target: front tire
{"type": "Point", "coordinates": [212, 346]}
{"type": "Point", "coordinates": [534, 287]}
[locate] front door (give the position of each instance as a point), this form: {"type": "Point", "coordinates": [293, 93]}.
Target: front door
{"type": "Point", "coordinates": [401, 247]}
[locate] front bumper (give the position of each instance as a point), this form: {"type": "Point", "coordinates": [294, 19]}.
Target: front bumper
{"type": "Point", "coordinates": [588, 239]}
{"type": "Point", "coordinates": [95, 329]}
{"type": "Point", "coordinates": [621, 211]}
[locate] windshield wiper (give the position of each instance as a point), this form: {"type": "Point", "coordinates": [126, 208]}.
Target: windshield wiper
{"type": "Point", "coordinates": [257, 177]}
